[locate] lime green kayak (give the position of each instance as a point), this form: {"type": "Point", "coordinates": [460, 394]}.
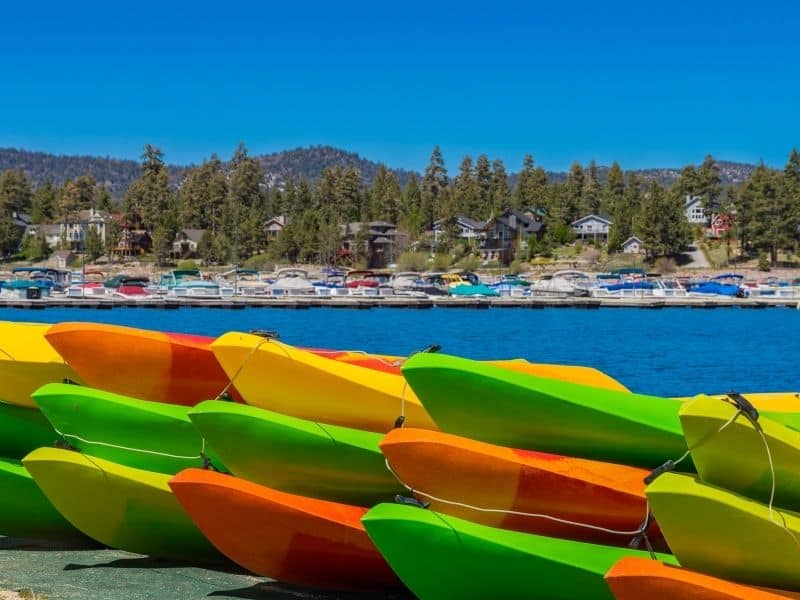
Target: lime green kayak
{"type": "Point", "coordinates": [491, 404]}
{"type": "Point", "coordinates": [296, 456]}
{"type": "Point", "coordinates": [438, 556]}
{"type": "Point", "coordinates": [736, 457]}
{"type": "Point", "coordinates": [23, 429]}
{"type": "Point", "coordinates": [25, 512]}
{"type": "Point", "coordinates": [121, 507]}
{"type": "Point", "coordinates": [726, 535]}
{"type": "Point", "coordinates": [145, 435]}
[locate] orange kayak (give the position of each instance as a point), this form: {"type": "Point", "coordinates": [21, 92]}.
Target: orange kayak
{"type": "Point", "coordinates": [637, 578]}
{"type": "Point", "coordinates": [294, 539]}
{"type": "Point", "coordinates": [482, 475]}
{"type": "Point", "coordinates": [149, 365]}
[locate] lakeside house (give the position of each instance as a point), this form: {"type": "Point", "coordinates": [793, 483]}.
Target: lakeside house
{"type": "Point", "coordinates": [593, 227]}
{"type": "Point", "coordinates": [72, 231]}
{"type": "Point", "coordinates": [504, 234]}
{"type": "Point", "coordinates": [133, 243]}
{"type": "Point", "coordinates": [719, 225]}
{"type": "Point", "coordinates": [377, 241]}
{"type": "Point", "coordinates": [465, 228]}
{"type": "Point", "coordinates": [633, 245]}
{"type": "Point", "coordinates": [695, 210]}
{"type": "Point", "coordinates": [187, 243]}
{"type": "Point", "coordinates": [274, 226]}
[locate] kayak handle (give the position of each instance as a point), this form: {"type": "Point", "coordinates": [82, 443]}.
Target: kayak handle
{"type": "Point", "coordinates": [744, 405]}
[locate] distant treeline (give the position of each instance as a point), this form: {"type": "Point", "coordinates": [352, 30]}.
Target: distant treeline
{"type": "Point", "coordinates": [232, 201]}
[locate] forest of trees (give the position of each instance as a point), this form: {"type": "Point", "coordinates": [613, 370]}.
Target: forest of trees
{"type": "Point", "coordinates": [232, 200]}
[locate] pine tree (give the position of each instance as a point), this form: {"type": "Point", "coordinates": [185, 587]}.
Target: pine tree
{"type": "Point", "coordinates": [592, 191]}
{"type": "Point", "coordinates": [433, 188]}
{"type": "Point", "coordinates": [93, 245]}
{"type": "Point", "coordinates": [576, 180]}
{"type": "Point", "coordinates": [464, 192]}
{"type": "Point", "coordinates": [245, 203]}
{"type": "Point", "coordinates": [710, 182]}
{"type": "Point", "coordinates": [410, 209]}
{"type": "Point", "coordinates": [15, 192]}
{"type": "Point", "coordinates": [661, 222]}
{"type": "Point", "coordinates": [501, 192]}
{"type": "Point", "coordinates": [625, 208]}
{"type": "Point", "coordinates": [613, 190]}
{"type": "Point", "coordinates": [44, 203]}
{"type": "Point", "coordinates": [765, 213]}
{"type": "Point", "coordinates": [483, 183]}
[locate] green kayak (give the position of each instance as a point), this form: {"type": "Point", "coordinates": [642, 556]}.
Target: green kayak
{"type": "Point", "coordinates": [736, 457]}
{"type": "Point", "coordinates": [491, 404]}
{"type": "Point", "coordinates": [726, 535]}
{"type": "Point", "coordinates": [23, 429]}
{"type": "Point", "coordinates": [145, 435]}
{"type": "Point", "coordinates": [301, 457]}
{"type": "Point", "coordinates": [125, 508]}
{"type": "Point", "coordinates": [438, 556]}
{"type": "Point", "coordinates": [25, 512]}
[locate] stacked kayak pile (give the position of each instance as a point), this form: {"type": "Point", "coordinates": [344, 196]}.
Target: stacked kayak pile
{"type": "Point", "coordinates": [346, 471]}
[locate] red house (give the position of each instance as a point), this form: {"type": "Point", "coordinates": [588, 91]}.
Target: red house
{"type": "Point", "coordinates": [720, 224]}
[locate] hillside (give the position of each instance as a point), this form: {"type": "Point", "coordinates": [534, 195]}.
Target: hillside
{"type": "Point", "coordinates": [117, 174]}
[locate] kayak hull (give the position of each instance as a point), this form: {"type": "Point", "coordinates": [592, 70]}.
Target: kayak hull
{"type": "Point", "coordinates": [27, 362]}
{"type": "Point", "coordinates": [290, 538]}
{"type": "Point", "coordinates": [148, 365]}
{"type": "Point", "coordinates": [294, 455]}
{"type": "Point", "coordinates": [25, 512]}
{"type": "Point", "coordinates": [145, 435]}
{"type": "Point", "coordinates": [491, 404]}
{"type": "Point", "coordinates": [638, 578]}
{"type": "Point", "coordinates": [23, 429]}
{"type": "Point", "coordinates": [308, 386]}
{"type": "Point", "coordinates": [509, 482]}
{"type": "Point", "coordinates": [726, 535]}
{"type": "Point", "coordinates": [439, 556]}
{"type": "Point", "coordinates": [124, 508]}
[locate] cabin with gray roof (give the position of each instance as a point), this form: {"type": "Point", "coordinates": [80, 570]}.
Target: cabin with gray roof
{"type": "Point", "coordinates": [592, 227]}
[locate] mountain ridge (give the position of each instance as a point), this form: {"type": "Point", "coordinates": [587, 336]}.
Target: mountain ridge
{"type": "Point", "coordinates": [117, 174]}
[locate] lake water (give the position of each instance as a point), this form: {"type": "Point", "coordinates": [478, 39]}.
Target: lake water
{"type": "Point", "coordinates": [671, 351]}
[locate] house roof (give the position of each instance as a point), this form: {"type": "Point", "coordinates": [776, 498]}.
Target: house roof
{"type": "Point", "coordinates": [278, 220]}
{"type": "Point", "coordinates": [593, 217]}
{"type": "Point", "coordinates": [521, 221]}
{"type": "Point", "coordinates": [631, 240]}
{"type": "Point", "coordinates": [194, 235]}
{"type": "Point", "coordinates": [464, 221]}
{"type": "Point", "coordinates": [690, 200]}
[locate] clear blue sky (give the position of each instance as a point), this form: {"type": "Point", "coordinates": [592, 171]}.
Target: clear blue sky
{"type": "Point", "coordinates": [648, 84]}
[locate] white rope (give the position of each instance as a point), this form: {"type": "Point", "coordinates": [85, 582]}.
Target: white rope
{"type": "Point", "coordinates": [201, 456]}
{"type": "Point", "coordinates": [246, 360]}
{"type": "Point", "coordinates": [772, 490]}
{"type": "Point", "coordinates": [417, 492]}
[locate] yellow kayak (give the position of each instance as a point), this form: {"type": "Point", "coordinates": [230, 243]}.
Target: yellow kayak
{"type": "Point", "coordinates": [27, 362]}
{"type": "Point", "coordinates": [350, 389]}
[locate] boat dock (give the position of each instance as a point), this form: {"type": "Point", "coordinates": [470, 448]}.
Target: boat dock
{"type": "Point", "coordinates": [368, 302]}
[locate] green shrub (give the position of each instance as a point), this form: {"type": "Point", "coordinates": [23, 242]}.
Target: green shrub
{"type": "Point", "coordinates": [412, 261]}
{"type": "Point", "coordinates": [470, 262]}
{"type": "Point", "coordinates": [665, 265]}
{"type": "Point", "coordinates": [187, 264]}
{"type": "Point", "coordinates": [259, 262]}
{"type": "Point", "coordinates": [764, 262]}
{"type": "Point", "coordinates": [442, 262]}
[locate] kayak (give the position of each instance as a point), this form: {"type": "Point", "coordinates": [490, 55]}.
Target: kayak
{"type": "Point", "coordinates": [490, 404]}
{"type": "Point", "coordinates": [278, 377]}
{"type": "Point", "coordinates": [296, 540]}
{"type": "Point", "coordinates": [296, 456]}
{"type": "Point", "coordinates": [637, 578]}
{"type": "Point", "coordinates": [176, 368]}
{"type": "Point", "coordinates": [25, 512]}
{"type": "Point", "coordinates": [465, 474]}
{"type": "Point", "coordinates": [725, 535]}
{"type": "Point", "coordinates": [124, 508]}
{"type": "Point", "coordinates": [27, 362]}
{"type": "Point", "coordinates": [747, 469]}
{"type": "Point", "coordinates": [439, 556]}
{"type": "Point", "coordinates": [23, 429]}
{"type": "Point", "coordinates": [145, 435]}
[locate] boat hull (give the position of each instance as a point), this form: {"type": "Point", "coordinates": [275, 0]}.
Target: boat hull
{"type": "Point", "coordinates": [148, 365]}
{"type": "Point", "coordinates": [439, 556]}
{"type": "Point", "coordinates": [296, 456]}
{"type": "Point", "coordinates": [509, 482]}
{"type": "Point", "coordinates": [23, 429]}
{"type": "Point", "coordinates": [145, 435]}
{"type": "Point", "coordinates": [283, 536]}
{"type": "Point", "coordinates": [124, 508]}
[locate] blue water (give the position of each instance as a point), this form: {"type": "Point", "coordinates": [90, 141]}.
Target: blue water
{"type": "Point", "coordinates": [671, 351]}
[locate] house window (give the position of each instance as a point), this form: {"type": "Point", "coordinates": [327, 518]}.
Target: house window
{"type": "Point", "coordinates": [588, 228]}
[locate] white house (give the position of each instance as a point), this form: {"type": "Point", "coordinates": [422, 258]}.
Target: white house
{"type": "Point", "coordinates": [274, 226]}
{"type": "Point", "coordinates": [75, 230]}
{"type": "Point", "coordinates": [633, 245]}
{"type": "Point", "coordinates": [468, 229]}
{"type": "Point", "coordinates": [592, 227]}
{"type": "Point", "coordinates": [694, 210]}
{"type": "Point", "coordinates": [187, 243]}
